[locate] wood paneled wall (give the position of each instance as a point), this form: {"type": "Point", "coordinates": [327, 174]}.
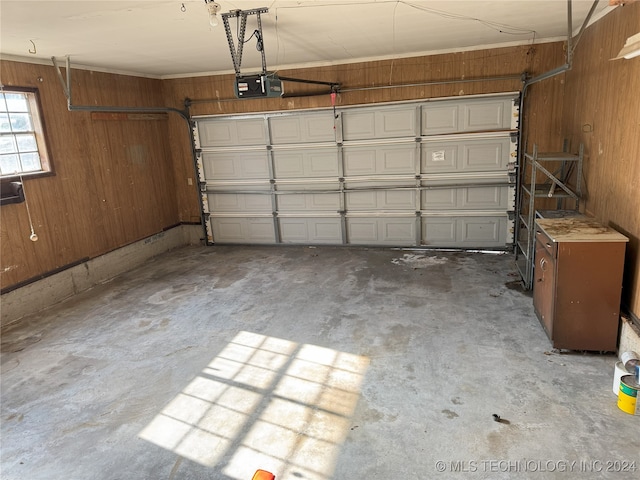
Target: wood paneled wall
{"type": "Point", "coordinates": [113, 181]}
{"type": "Point", "coordinates": [602, 110]}
{"type": "Point", "coordinates": [217, 91]}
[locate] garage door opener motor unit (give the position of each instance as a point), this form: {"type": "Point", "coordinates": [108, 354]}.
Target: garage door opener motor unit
{"type": "Point", "coordinates": [256, 85]}
{"type": "Point", "coordinates": [264, 84]}
{"type": "Point", "coordinates": [253, 86]}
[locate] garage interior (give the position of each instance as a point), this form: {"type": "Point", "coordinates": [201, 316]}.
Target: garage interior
{"type": "Point", "coordinates": [332, 280]}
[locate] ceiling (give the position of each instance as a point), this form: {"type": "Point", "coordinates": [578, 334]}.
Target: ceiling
{"type": "Point", "coordinates": [173, 38]}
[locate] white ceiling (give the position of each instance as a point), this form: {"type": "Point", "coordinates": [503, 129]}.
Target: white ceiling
{"type": "Point", "coordinates": [157, 38]}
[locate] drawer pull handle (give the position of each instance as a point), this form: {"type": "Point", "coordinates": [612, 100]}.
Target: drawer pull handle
{"type": "Point", "coordinates": [548, 245]}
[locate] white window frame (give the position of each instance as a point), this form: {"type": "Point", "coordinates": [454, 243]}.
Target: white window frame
{"type": "Point", "coordinates": [38, 131]}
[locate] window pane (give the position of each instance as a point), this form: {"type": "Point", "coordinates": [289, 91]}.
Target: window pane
{"type": "Point", "coordinates": [17, 102]}
{"type": "Point", "coordinates": [20, 122]}
{"type": "Point", "coordinates": [4, 123]}
{"type": "Point", "coordinates": [9, 164]}
{"type": "Point", "coordinates": [20, 148]}
{"type": "Point", "coordinates": [30, 162]}
{"type": "Point", "coordinates": [27, 143]}
{"type": "Point", "coordinates": [7, 144]}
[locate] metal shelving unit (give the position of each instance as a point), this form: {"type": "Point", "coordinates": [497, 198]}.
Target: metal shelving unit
{"type": "Point", "coordinates": [556, 169]}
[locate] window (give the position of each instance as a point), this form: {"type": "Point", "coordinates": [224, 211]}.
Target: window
{"type": "Point", "coordinates": [22, 146]}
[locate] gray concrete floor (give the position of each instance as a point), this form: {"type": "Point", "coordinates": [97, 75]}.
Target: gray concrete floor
{"type": "Point", "coordinates": [313, 363]}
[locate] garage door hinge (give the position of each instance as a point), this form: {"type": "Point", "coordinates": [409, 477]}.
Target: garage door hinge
{"type": "Point", "coordinates": [342, 212]}
{"type": "Point", "coordinates": [418, 214]}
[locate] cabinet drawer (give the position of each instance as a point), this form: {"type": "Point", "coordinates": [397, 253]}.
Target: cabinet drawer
{"type": "Point", "coordinates": [549, 245]}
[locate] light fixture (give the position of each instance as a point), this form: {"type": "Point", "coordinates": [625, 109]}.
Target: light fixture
{"type": "Point", "coordinates": [213, 8]}
{"type": "Point", "coordinates": [631, 48]}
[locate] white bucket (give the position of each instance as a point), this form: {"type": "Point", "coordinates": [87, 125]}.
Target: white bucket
{"type": "Point", "coordinates": [618, 373]}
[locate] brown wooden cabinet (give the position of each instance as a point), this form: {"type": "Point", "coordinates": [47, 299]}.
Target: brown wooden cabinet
{"type": "Point", "coordinates": [577, 282]}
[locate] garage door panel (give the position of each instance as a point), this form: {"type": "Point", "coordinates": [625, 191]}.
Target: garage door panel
{"type": "Point", "coordinates": [360, 161]}
{"type": "Point", "coordinates": [303, 128]}
{"type": "Point", "coordinates": [398, 231]}
{"type": "Point", "coordinates": [288, 164]}
{"type": "Point", "coordinates": [484, 197]}
{"type": "Point", "coordinates": [483, 231]}
{"type": "Point", "coordinates": [484, 155]}
{"type": "Point", "coordinates": [293, 230]}
{"type": "Point", "coordinates": [235, 165]}
{"type": "Point", "coordinates": [239, 202]}
{"type": "Point", "coordinates": [361, 200]}
{"type": "Point", "coordinates": [466, 155]}
{"type": "Point", "coordinates": [318, 162]}
{"type": "Point", "coordinates": [466, 198]}
{"type": "Point", "coordinates": [439, 231]}
{"type": "Point", "coordinates": [381, 200]}
{"type": "Point", "coordinates": [396, 159]}
{"type": "Point", "coordinates": [397, 200]}
{"type": "Point", "coordinates": [320, 128]}
{"type": "Point", "coordinates": [396, 123]}
{"type": "Point", "coordinates": [369, 124]}
{"type": "Point", "coordinates": [481, 114]}
{"type": "Point", "coordinates": [468, 115]}
{"type": "Point", "coordinates": [379, 160]}
{"type": "Point", "coordinates": [285, 130]}
{"type": "Point", "coordinates": [439, 199]}
{"type": "Point", "coordinates": [465, 231]}
{"type": "Point", "coordinates": [438, 118]}
{"type": "Point", "coordinates": [242, 230]}
{"type": "Point", "coordinates": [358, 125]}
{"type": "Point", "coordinates": [310, 230]}
{"type": "Point", "coordinates": [321, 163]}
{"type": "Point", "coordinates": [309, 202]}
{"type": "Point", "coordinates": [439, 157]}
{"type": "Point", "coordinates": [381, 231]}
{"type": "Point", "coordinates": [362, 231]}
{"type": "Point", "coordinates": [326, 230]}
{"type": "Point", "coordinates": [231, 132]}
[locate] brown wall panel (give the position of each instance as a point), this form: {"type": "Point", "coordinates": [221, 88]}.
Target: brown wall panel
{"type": "Point", "coordinates": [113, 181]}
{"type": "Point", "coordinates": [602, 110]}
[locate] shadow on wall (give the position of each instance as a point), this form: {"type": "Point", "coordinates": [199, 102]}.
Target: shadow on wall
{"type": "Point", "coordinates": [630, 279]}
{"type": "Point", "coordinates": [266, 403]}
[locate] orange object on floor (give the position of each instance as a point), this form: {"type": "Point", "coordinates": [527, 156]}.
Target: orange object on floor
{"type": "Point", "coordinates": [263, 475]}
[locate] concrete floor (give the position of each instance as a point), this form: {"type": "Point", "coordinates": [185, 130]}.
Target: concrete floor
{"type": "Point", "coordinates": [313, 363]}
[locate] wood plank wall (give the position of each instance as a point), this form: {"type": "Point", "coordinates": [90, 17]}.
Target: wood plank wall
{"type": "Point", "coordinates": [218, 96]}
{"type": "Point", "coordinates": [113, 181]}
{"type": "Point", "coordinates": [602, 110]}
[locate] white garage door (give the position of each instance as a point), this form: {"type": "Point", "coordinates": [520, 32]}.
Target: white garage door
{"type": "Point", "coordinates": [436, 173]}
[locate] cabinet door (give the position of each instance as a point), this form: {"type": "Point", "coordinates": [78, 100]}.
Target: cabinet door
{"type": "Point", "coordinates": [543, 287]}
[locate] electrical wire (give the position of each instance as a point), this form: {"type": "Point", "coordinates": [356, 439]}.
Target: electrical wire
{"type": "Point", "coordinates": [499, 27]}
{"type": "Point", "coordinates": [33, 236]}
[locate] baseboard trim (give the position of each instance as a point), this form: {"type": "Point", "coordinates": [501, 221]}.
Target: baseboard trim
{"type": "Point", "coordinates": [54, 287]}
